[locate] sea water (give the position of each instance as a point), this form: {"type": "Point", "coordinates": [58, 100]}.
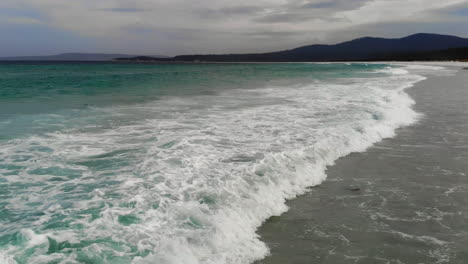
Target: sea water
{"type": "Point", "coordinates": [169, 163]}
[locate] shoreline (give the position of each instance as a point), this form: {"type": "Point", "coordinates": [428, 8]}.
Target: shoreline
{"type": "Point", "coordinates": [460, 63]}
{"type": "Point", "coordinates": [372, 208]}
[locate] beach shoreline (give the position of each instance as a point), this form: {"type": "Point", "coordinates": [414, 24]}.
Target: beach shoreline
{"type": "Point", "coordinates": [172, 187]}
{"type": "Point", "coordinates": [401, 201]}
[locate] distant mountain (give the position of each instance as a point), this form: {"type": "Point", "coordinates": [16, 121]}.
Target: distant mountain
{"type": "Point", "coordinates": [455, 54]}
{"type": "Point", "coordinates": [368, 49]}
{"type": "Point", "coordinates": [141, 58]}
{"type": "Point", "coordinates": [73, 57]}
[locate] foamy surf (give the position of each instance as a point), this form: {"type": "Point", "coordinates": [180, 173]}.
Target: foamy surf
{"type": "Point", "coordinates": [193, 180]}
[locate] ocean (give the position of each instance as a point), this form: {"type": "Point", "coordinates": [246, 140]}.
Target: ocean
{"type": "Point", "coordinates": [177, 163]}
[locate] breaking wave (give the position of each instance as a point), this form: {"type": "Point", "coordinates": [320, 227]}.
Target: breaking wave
{"type": "Point", "coordinates": [191, 179]}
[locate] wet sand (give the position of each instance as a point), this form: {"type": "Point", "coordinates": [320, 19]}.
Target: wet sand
{"type": "Point", "coordinates": [405, 200]}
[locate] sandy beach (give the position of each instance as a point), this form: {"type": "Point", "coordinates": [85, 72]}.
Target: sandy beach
{"type": "Point", "coordinates": [402, 201]}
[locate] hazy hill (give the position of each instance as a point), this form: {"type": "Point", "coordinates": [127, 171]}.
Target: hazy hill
{"type": "Point", "coordinates": [73, 57]}
{"type": "Point", "coordinates": [367, 48]}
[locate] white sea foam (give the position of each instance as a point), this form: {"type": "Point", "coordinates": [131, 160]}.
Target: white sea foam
{"type": "Point", "coordinates": [194, 180]}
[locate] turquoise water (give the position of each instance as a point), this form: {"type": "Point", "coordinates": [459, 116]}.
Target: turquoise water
{"type": "Point", "coordinates": [136, 163]}
{"type": "Point", "coordinates": [69, 90]}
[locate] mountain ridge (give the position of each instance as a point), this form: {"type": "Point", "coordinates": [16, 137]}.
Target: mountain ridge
{"type": "Point", "coordinates": [365, 48]}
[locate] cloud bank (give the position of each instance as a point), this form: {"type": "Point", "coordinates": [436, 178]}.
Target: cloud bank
{"type": "Point", "coordinates": [219, 26]}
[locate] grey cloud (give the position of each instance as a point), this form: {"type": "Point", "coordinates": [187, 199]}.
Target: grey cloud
{"type": "Point", "coordinates": [230, 11]}
{"type": "Point", "coordinates": [139, 30]}
{"type": "Point", "coordinates": [293, 11]}
{"type": "Point", "coordinates": [273, 34]}
{"type": "Point", "coordinates": [241, 10]}
{"type": "Point", "coordinates": [226, 26]}
{"type": "Point", "coordinates": [298, 17]}
{"type": "Point", "coordinates": [458, 10]}
{"type": "Point", "coordinates": [319, 5]}
{"type": "Point", "coordinates": [283, 18]}
{"type": "Point", "coordinates": [336, 5]}
{"type": "Point", "coordinates": [123, 10]}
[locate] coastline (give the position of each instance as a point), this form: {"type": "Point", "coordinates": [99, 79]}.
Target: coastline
{"type": "Point", "coordinates": [449, 63]}
{"type": "Point", "coordinates": [401, 201]}
{"type": "Point", "coordinates": [348, 116]}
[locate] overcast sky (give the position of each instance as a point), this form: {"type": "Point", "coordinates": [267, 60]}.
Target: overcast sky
{"type": "Point", "coordinates": [171, 27]}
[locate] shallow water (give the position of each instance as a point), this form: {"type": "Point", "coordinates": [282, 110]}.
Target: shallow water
{"type": "Point", "coordinates": [402, 201]}
{"type": "Point", "coordinates": [176, 163]}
